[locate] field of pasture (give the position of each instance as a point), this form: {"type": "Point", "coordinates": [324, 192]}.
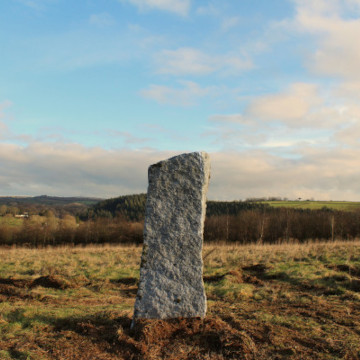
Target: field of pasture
{"type": "Point", "coordinates": [316, 205]}
{"type": "Point", "coordinates": [286, 301]}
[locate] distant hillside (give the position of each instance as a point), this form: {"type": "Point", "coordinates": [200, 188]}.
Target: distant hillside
{"type": "Point", "coordinates": [46, 200]}
{"type": "Point", "coordinates": [132, 207]}
{"type": "Point", "coordinates": [40, 204]}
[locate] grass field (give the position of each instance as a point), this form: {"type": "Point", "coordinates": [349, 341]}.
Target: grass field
{"type": "Point", "coordinates": [264, 302]}
{"type": "Point", "coordinates": [314, 205]}
{"type": "Point", "coordinates": [11, 221]}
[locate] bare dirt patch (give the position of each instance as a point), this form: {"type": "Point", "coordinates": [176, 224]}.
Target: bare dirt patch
{"type": "Point", "coordinates": [181, 339]}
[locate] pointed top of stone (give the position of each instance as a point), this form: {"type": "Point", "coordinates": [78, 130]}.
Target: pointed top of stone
{"type": "Point", "coordinates": [196, 154]}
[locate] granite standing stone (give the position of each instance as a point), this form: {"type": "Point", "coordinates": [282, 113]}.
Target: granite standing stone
{"type": "Point", "coordinates": [171, 283]}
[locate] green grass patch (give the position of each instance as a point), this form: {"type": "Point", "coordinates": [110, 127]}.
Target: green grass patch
{"type": "Point", "coordinates": [316, 205]}
{"type": "Point", "coordinates": [11, 221]}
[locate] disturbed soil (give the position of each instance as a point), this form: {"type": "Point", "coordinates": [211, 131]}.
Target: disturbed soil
{"type": "Point", "coordinates": [254, 312]}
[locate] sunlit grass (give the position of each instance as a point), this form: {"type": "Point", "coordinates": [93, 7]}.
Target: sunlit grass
{"type": "Point", "coordinates": [310, 289]}
{"type": "Point", "coordinates": [11, 221]}
{"type": "Point", "coordinates": [316, 205]}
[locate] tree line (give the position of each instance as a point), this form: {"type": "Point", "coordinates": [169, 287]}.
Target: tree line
{"type": "Point", "coordinates": [39, 231]}
{"type": "Point", "coordinates": [120, 220]}
{"type": "Point", "coordinates": [272, 225]}
{"type": "Point", "coordinates": [132, 207]}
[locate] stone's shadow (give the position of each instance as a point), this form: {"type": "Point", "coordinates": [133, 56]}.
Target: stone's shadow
{"type": "Point", "coordinates": [15, 289]}
{"type": "Point", "coordinates": [351, 270]}
{"type": "Point", "coordinates": [130, 292]}
{"type": "Point", "coordinates": [214, 278]}
{"type": "Point", "coordinates": [48, 281]}
{"type": "Point", "coordinates": [327, 285]}
{"type": "Point", "coordinates": [259, 269]}
{"type": "Point", "coordinates": [19, 283]}
{"type": "Point", "coordinates": [125, 281]}
{"type": "Point", "coordinates": [257, 274]}
{"type": "Point", "coordinates": [236, 276]}
{"type": "Point", "coordinates": [22, 288]}
{"type": "Point", "coordinates": [128, 286]}
{"type": "Point", "coordinates": [19, 355]}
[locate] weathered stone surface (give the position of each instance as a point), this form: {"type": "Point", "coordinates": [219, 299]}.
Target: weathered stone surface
{"type": "Point", "coordinates": [171, 283]}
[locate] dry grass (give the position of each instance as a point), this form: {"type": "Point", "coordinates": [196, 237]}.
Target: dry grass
{"type": "Point", "coordinates": [287, 301]}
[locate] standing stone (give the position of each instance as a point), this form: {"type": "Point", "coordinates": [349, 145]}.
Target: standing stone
{"type": "Point", "coordinates": [171, 283]}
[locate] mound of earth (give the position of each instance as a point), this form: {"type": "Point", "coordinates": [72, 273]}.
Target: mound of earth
{"type": "Point", "coordinates": [181, 339]}
{"type": "Point", "coordinates": [50, 281]}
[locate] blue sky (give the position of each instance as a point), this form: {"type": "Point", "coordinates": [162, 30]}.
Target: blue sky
{"type": "Point", "coordinates": [93, 92]}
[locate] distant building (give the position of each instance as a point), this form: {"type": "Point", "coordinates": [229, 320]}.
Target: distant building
{"type": "Point", "coordinates": [24, 215]}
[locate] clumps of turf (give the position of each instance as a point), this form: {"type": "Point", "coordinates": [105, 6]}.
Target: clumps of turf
{"type": "Point", "coordinates": [12, 289]}
{"type": "Point", "coordinates": [257, 268]}
{"type": "Point", "coordinates": [51, 281]}
{"type": "Point", "coordinates": [185, 339]}
{"type": "Point", "coordinates": [19, 283]}
{"type": "Point", "coordinates": [47, 281]}
{"type": "Point", "coordinates": [351, 270]}
{"type": "Point", "coordinates": [213, 278]}
{"type": "Point", "coordinates": [9, 291]}
{"type": "Point", "coordinates": [235, 276]}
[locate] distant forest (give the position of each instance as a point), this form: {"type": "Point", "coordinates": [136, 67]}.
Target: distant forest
{"type": "Point", "coordinates": [132, 207]}
{"type": "Point", "coordinates": [45, 220]}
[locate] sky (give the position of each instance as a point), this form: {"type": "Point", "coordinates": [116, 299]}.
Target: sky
{"type": "Point", "coordinates": [92, 92]}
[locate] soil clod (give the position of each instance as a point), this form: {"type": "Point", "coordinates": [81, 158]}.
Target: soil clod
{"type": "Point", "coordinates": [50, 281]}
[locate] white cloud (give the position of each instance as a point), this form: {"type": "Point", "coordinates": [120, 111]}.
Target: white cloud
{"type": "Point", "coordinates": [302, 115]}
{"type": "Point", "coordinates": [208, 10]}
{"type": "Point", "coordinates": [127, 137]}
{"type": "Point", "coordinates": [348, 90]}
{"type": "Point", "coordinates": [350, 135]}
{"type": "Point", "coordinates": [184, 61]}
{"type": "Point", "coordinates": [186, 95]}
{"type": "Point", "coordinates": [101, 20]}
{"type": "Point", "coordinates": [70, 169]}
{"type": "Point", "coordinates": [329, 7]}
{"type": "Point", "coordinates": [292, 105]}
{"type": "Point", "coordinates": [229, 22]}
{"type": "Point", "coordinates": [321, 174]}
{"type": "Point", "coordinates": [230, 118]}
{"type": "Point", "coordinates": [191, 61]}
{"type": "Point", "coordinates": [338, 51]}
{"type": "Point", "coordinates": [180, 7]}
